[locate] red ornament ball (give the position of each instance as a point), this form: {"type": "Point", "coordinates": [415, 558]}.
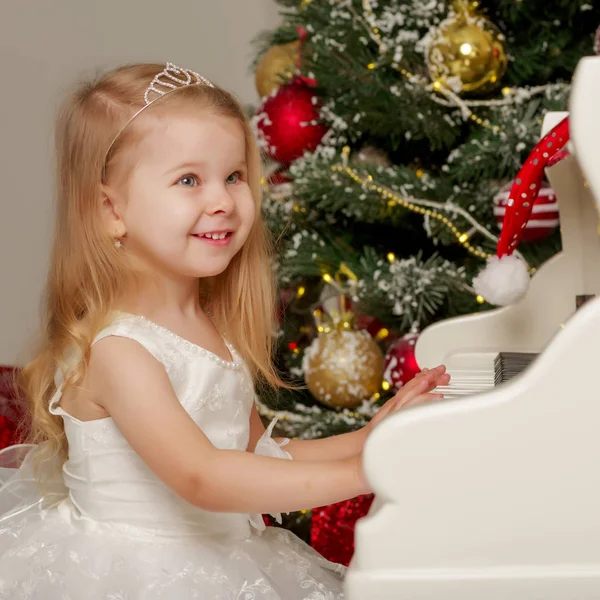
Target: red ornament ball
{"type": "Point", "coordinates": [288, 124]}
{"type": "Point", "coordinates": [544, 214]}
{"type": "Point", "coordinates": [332, 528]}
{"type": "Point", "coordinates": [400, 362]}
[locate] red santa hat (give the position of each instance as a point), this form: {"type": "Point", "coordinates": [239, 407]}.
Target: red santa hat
{"type": "Point", "coordinates": [505, 279]}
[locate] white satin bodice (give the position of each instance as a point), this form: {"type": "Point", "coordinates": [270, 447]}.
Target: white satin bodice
{"type": "Point", "coordinates": [107, 483]}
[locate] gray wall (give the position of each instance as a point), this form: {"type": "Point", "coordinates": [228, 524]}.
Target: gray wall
{"type": "Point", "coordinates": [45, 47]}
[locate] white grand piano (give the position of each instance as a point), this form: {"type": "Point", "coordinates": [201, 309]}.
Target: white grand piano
{"type": "Point", "coordinates": [494, 494]}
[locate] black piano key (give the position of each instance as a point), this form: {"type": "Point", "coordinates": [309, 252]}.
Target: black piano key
{"type": "Point", "coordinates": [510, 364]}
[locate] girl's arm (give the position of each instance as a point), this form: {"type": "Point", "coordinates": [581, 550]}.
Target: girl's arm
{"type": "Point", "coordinates": [135, 390]}
{"type": "Point", "coordinates": [346, 445]}
{"type": "Point", "coordinates": [335, 447]}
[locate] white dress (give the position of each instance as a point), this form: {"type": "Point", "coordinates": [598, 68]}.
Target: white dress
{"type": "Point", "coordinates": [108, 528]}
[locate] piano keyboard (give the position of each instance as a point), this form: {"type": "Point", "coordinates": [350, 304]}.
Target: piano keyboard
{"type": "Point", "coordinates": [509, 364]}
{"type": "Point", "coordinates": [476, 373]}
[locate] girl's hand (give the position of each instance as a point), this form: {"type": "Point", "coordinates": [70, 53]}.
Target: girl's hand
{"type": "Point", "coordinates": [416, 391]}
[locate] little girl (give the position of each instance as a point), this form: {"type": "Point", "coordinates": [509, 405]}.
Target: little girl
{"type": "Point", "coordinates": [153, 463]}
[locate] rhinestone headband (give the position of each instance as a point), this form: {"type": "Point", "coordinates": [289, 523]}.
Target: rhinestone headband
{"type": "Point", "coordinates": [171, 78]}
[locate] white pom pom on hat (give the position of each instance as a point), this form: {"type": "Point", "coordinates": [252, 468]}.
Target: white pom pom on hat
{"type": "Point", "coordinates": [505, 279]}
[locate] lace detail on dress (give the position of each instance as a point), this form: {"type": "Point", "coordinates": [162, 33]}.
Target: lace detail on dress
{"type": "Point", "coordinates": [52, 561]}
{"type": "Point", "coordinates": [215, 398]}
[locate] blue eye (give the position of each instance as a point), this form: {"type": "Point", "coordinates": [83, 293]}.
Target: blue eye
{"type": "Point", "coordinates": [188, 181]}
{"type": "Point", "coordinates": [234, 177]}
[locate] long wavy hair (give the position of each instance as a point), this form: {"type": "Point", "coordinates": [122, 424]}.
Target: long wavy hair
{"type": "Point", "coordinates": [87, 274]}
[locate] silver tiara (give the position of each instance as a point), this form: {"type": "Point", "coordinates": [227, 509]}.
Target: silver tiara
{"type": "Point", "coordinates": [171, 78]}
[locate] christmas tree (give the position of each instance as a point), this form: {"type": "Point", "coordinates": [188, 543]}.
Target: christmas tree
{"type": "Point", "coordinates": [393, 128]}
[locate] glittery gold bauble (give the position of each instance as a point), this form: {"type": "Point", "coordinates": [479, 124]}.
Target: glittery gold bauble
{"type": "Point", "coordinates": [467, 54]}
{"type": "Point", "coordinates": [277, 66]}
{"type": "Point", "coordinates": [343, 367]}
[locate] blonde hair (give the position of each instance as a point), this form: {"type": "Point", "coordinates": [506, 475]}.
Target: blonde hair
{"type": "Point", "coordinates": [88, 274]}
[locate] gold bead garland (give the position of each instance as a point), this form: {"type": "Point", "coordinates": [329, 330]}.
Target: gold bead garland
{"type": "Point", "coordinates": [395, 200]}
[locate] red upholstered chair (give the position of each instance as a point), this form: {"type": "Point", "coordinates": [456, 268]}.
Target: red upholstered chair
{"type": "Point", "coordinates": [10, 412]}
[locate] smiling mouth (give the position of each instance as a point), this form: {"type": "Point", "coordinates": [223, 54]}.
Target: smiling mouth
{"type": "Point", "coordinates": [220, 235]}
{"type": "Point", "coordinates": [215, 238]}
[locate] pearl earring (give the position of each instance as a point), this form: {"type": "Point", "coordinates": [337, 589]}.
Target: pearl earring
{"type": "Point", "coordinates": [118, 243]}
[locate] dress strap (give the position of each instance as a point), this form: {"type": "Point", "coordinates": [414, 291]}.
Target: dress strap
{"type": "Point", "coordinates": [134, 328]}
{"type": "Point", "coordinates": [53, 407]}
{"type": "Point", "coordinates": [124, 325]}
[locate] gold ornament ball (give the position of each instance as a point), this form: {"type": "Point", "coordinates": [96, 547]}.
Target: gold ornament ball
{"type": "Point", "coordinates": [276, 66]}
{"type": "Point", "coordinates": [468, 49]}
{"type": "Point", "coordinates": [343, 367]}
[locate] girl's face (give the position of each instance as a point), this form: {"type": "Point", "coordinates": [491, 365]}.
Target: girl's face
{"type": "Point", "coordinates": [186, 206]}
